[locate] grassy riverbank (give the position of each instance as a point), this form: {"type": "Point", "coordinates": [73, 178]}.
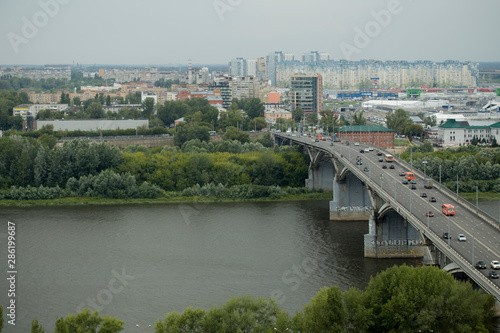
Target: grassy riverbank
{"type": "Point", "coordinates": [484, 196]}
{"type": "Point", "coordinates": [80, 201]}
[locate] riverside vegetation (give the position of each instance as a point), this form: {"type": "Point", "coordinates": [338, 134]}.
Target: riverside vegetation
{"type": "Point", "coordinates": [31, 170]}
{"type": "Point", "coordinates": [399, 299]}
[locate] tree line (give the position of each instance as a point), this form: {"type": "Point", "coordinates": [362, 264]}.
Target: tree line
{"type": "Point", "coordinates": [32, 170]}
{"type": "Point", "coordinates": [474, 165]}
{"type": "Point", "coordinates": [399, 299]}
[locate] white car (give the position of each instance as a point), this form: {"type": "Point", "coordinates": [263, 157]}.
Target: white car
{"type": "Point", "coordinates": [461, 238]}
{"type": "Point", "coordinates": [495, 264]}
{"type": "Point", "coordinates": [356, 144]}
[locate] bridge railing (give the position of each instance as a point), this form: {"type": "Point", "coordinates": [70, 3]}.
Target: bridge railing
{"type": "Point", "coordinates": [420, 226]}
{"type": "Point", "coordinates": [451, 195]}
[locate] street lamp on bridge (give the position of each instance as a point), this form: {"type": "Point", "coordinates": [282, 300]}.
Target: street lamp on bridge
{"type": "Point", "coordinates": [424, 162]}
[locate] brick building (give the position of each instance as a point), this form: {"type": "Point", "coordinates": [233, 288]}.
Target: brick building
{"type": "Point", "coordinates": [376, 135]}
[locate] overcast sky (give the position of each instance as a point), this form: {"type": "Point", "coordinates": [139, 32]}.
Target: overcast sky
{"type": "Point", "coordinates": [214, 31]}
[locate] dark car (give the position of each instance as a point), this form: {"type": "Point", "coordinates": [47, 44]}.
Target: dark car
{"type": "Point", "coordinates": [432, 199]}
{"type": "Point", "coordinates": [423, 195]}
{"type": "Point", "coordinates": [405, 181]}
{"type": "Point", "coordinates": [380, 159]}
{"type": "Point", "coordinates": [446, 235]}
{"type": "Point", "coordinates": [317, 140]}
{"type": "Point", "coordinates": [413, 181]}
{"type": "Point", "coordinates": [494, 274]}
{"type": "Point", "coordinates": [413, 186]}
{"type": "Point", "coordinates": [331, 144]}
{"type": "Point", "coordinates": [384, 166]}
{"type": "Point", "coordinates": [430, 214]}
{"type": "Point", "coordinates": [365, 169]}
{"type": "Point", "coordinates": [392, 166]}
{"type": "Point", "coordinates": [402, 173]}
{"type": "Point", "coordinates": [347, 143]}
{"type": "Point", "coordinates": [359, 162]}
{"type": "Point", "coordinates": [362, 151]}
{"type": "Point", "coordinates": [379, 154]}
{"type": "Point", "coordinates": [480, 264]}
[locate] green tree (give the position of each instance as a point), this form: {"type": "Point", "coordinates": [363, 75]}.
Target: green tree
{"type": "Point", "coordinates": [398, 120]}
{"type": "Point", "coordinates": [232, 133]}
{"type": "Point", "coordinates": [312, 119]}
{"type": "Point", "coordinates": [95, 110]}
{"type": "Point", "coordinates": [190, 320]}
{"type": "Point", "coordinates": [188, 132]}
{"type": "Point", "coordinates": [24, 98]}
{"type": "Point", "coordinates": [48, 140]}
{"type": "Point", "coordinates": [108, 100]}
{"type": "Point", "coordinates": [77, 101]}
{"type": "Point", "coordinates": [253, 107]}
{"type": "Point", "coordinates": [298, 114]}
{"type": "Point", "coordinates": [412, 129]}
{"type": "Point", "coordinates": [148, 107]}
{"type": "Point", "coordinates": [430, 121]}
{"type": "Point", "coordinates": [325, 313]}
{"type": "Point", "coordinates": [358, 119]}
{"type": "Point", "coordinates": [36, 327]}
{"type": "Point", "coordinates": [409, 299]}
{"type": "Point", "coordinates": [85, 321]}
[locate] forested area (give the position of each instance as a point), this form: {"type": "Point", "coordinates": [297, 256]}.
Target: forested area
{"type": "Point", "coordinates": [474, 165]}
{"type": "Point", "coordinates": [399, 299]}
{"type": "Point", "coordinates": [32, 170]}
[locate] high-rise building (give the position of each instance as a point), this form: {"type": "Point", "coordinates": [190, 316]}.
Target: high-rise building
{"type": "Point", "coordinates": [238, 67]}
{"type": "Point", "coordinates": [272, 60]}
{"type": "Point", "coordinates": [224, 85]}
{"type": "Point", "coordinates": [262, 69]}
{"type": "Point", "coordinates": [289, 57]}
{"type": "Point", "coordinates": [306, 93]}
{"type": "Point", "coordinates": [251, 67]}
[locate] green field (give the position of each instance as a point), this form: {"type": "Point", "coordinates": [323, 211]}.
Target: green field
{"type": "Point", "coordinates": [401, 142]}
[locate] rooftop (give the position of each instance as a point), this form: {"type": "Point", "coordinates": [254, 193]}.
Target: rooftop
{"type": "Point", "coordinates": [365, 128]}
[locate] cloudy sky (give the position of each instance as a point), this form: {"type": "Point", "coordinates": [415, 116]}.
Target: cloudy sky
{"type": "Point", "coordinates": [214, 31]}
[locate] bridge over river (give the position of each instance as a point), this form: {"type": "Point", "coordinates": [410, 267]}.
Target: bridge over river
{"type": "Point", "coordinates": [398, 225]}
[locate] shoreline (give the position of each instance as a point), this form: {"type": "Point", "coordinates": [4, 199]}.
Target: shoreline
{"type": "Point", "coordinates": [82, 201]}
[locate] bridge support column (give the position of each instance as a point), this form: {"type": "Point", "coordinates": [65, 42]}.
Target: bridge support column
{"type": "Point", "coordinates": [351, 202]}
{"type": "Point", "coordinates": [320, 176]}
{"type": "Point", "coordinates": [392, 237]}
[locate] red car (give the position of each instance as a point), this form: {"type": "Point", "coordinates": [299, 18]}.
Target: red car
{"type": "Point", "coordinates": [430, 214]}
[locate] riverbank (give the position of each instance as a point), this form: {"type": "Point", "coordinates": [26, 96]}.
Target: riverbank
{"type": "Point", "coordinates": [176, 198]}
{"type": "Point", "coordinates": [483, 196]}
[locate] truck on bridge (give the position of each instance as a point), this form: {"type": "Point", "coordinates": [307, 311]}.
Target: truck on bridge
{"type": "Point", "coordinates": [428, 183]}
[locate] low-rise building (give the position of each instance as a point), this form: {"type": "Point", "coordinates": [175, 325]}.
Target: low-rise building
{"type": "Point", "coordinates": [374, 135]}
{"type": "Point", "coordinates": [24, 110]}
{"type": "Point", "coordinates": [92, 124]}
{"type": "Point", "coordinates": [456, 133]}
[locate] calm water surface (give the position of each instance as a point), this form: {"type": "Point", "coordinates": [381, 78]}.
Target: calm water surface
{"type": "Point", "coordinates": [139, 262]}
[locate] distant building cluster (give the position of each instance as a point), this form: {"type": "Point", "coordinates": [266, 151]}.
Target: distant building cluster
{"type": "Point", "coordinates": [47, 72]}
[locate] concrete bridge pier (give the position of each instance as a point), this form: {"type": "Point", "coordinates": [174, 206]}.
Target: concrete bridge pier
{"type": "Point", "coordinates": [390, 236]}
{"type": "Point", "coordinates": [351, 202]}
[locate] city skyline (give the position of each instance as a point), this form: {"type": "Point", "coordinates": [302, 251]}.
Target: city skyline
{"type": "Point", "coordinates": [213, 32]}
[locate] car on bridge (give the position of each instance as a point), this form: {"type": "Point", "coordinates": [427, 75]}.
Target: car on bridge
{"type": "Point", "coordinates": [316, 140]}
{"type": "Point", "coordinates": [384, 166]}
{"type": "Point", "coordinates": [423, 195]}
{"type": "Point", "coordinates": [365, 169]}
{"type": "Point", "coordinates": [392, 166]}
{"type": "Point", "coordinates": [493, 274]}
{"type": "Point", "coordinates": [480, 264]}
{"type": "Point", "coordinates": [356, 144]}
{"type": "Point", "coordinates": [495, 264]}
{"type": "Point", "coordinates": [432, 199]}
{"type": "Point", "coordinates": [413, 181]}
{"type": "Point", "coordinates": [362, 151]}
{"type": "Point", "coordinates": [446, 235]}
{"type": "Point", "coordinates": [359, 162]}
{"type": "Point", "coordinates": [461, 238]}
{"type": "Point", "coordinates": [430, 214]}
{"type": "Point", "coordinates": [402, 173]}
{"type": "Point", "coordinates": [405, 181]}
{"type": "Point", "coordinates": [379, 154]}
{"type": "Point", "coordinates": [380, 159]}
{"type": "Point", "coordinates": [413, 186]}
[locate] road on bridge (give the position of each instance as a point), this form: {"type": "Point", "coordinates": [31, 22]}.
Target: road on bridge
{"type": "Point", "coordinates": [482, 239]}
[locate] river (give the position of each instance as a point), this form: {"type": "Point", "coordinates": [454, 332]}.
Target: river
{"type": "Point", "coordinates": [139, 262]}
